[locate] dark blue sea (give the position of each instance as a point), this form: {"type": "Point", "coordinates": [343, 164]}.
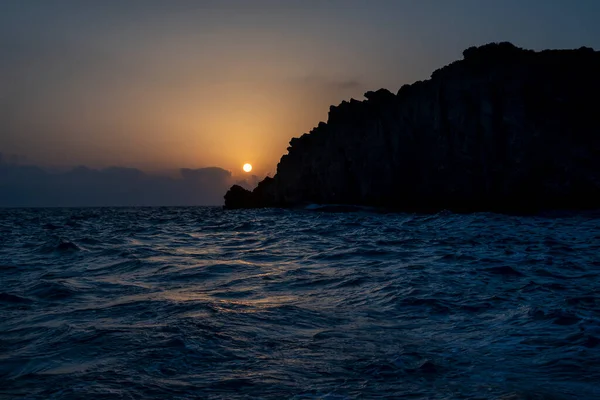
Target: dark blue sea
{"type": "Point", "coordinates": [201, 303]}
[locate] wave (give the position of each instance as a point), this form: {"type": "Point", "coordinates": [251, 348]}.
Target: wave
{"type": "Point", "coordinates": [172, 302]}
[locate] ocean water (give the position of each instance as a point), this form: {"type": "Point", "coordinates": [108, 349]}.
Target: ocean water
{"type": "Point", "coordinates": [186, 303]}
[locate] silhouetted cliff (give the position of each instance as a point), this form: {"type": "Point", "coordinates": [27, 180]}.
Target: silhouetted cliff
{"type": "Point", "coordinates": [503, 129]}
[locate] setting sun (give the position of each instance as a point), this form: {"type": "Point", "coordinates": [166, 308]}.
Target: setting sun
{"type": "Point", "coordinates": [247, 167]}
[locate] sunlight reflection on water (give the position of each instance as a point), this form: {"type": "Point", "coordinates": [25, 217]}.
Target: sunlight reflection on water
{"type": "Point", "coordinates": [294, 304]}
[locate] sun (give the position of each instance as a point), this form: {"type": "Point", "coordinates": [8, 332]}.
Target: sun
{"type": "Point", "coordinates": [247, 167]}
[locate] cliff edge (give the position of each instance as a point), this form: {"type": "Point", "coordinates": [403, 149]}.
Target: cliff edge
{"type": "Point", "coordinates": [503, 129]}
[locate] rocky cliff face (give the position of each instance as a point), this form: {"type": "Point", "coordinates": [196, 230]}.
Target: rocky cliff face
{"type": "Point", "coordinates": [503, 129]}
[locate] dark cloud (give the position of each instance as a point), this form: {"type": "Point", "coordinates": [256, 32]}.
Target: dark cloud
{"type": "Point", "coordinates": [33, 186]}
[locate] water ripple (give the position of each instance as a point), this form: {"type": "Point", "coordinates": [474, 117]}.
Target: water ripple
{"type": "Point", "coordinates": [200, 303]}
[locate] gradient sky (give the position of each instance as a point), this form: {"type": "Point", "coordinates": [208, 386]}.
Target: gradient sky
{"type": "Point", "coordinates": [174, 83]}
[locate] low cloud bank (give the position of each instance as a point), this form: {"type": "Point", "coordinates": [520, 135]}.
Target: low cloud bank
{"type": "Point", "coordinates": [33, 186]}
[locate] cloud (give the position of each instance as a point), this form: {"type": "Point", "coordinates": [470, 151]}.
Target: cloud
{"type": "Point", "coordinates": [329, 84]}
{"type": "Point", "coordinates": [32, 186]}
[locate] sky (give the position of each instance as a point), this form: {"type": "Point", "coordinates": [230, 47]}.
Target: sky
{"type": "Point", "coordinates": [160, 85]}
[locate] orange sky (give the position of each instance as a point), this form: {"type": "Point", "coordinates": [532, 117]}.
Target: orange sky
{"type": "Point", "coordinates": [161, 85]}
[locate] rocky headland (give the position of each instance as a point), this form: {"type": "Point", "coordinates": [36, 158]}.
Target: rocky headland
{"type": "Point", "coordinates": [503, 129]}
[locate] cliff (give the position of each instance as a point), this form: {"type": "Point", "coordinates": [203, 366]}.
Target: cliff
{"type": "Point", "coordinates": [502, 129]}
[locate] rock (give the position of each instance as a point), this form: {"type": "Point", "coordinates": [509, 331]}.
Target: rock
{"type": "Point", "coordinates": [505, 129]}
{"type": "Point", "coordinates": [238, 197]}
{"type": "Point", "coordinates": [263, 195]}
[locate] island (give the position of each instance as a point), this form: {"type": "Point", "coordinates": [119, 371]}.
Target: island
{"type": "Point", "coordinates": [504, 129]}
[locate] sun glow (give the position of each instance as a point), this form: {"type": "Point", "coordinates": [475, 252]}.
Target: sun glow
{"type": "Point", "coordinates": [247, 167]}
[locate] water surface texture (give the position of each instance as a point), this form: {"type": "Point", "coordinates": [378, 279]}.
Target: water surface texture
{"type": "Point", "coordinates": [185, 303]}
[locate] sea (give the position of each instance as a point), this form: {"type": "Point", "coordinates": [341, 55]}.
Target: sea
{"type": "Point", "coordinates": [204, 303]}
